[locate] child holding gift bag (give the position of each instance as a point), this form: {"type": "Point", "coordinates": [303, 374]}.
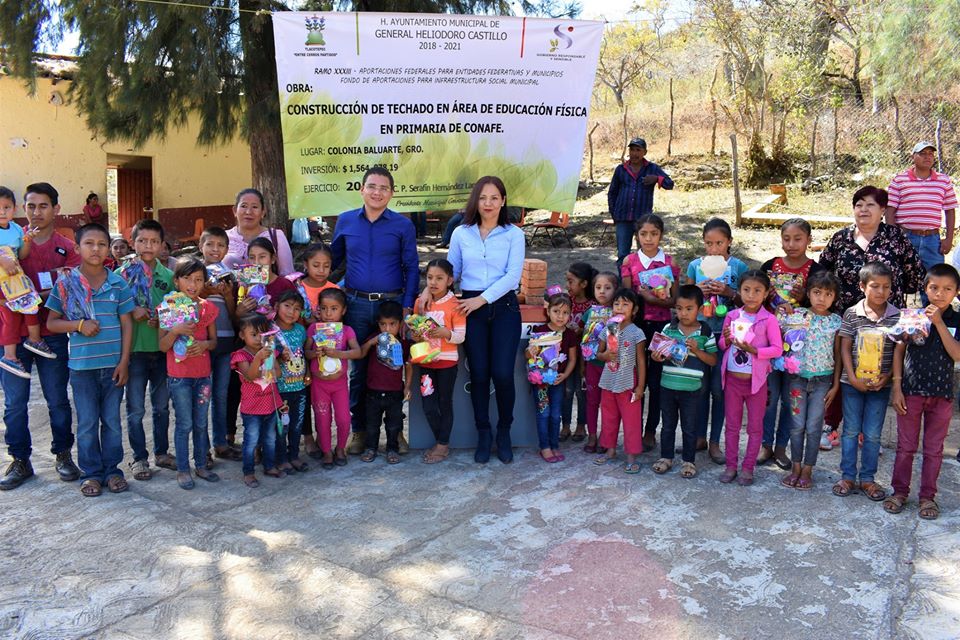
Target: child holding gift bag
{"type": "Point", "coordinates": [750, 340]}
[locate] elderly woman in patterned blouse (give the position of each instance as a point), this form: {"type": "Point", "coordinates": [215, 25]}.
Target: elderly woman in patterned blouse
{"type": "Point", "coordinates": [870, 239]}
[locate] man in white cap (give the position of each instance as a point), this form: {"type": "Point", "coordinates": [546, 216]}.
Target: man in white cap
{"type": "Point", "coordinates": [920, 201]}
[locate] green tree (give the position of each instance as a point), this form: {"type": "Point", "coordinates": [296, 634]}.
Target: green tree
{"type": "Point", "coordinates": [147, 66]}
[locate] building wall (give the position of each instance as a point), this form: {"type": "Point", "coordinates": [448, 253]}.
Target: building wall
{"type": "Point", "coordinates": [62, 151]}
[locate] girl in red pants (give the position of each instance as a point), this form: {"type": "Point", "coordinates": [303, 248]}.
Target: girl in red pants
{"type": "Point", "coordinates": [604, 284]}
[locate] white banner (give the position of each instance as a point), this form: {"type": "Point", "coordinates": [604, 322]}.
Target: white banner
{"type": "Point", "coordinates": [439, 100]}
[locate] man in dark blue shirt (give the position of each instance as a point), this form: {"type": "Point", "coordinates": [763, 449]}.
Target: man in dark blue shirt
{"type": "Point", "coordinates": [631, 194]}
{"type": "Point", "coordinates": [380, 249]}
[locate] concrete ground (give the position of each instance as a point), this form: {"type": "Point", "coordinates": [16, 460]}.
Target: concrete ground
{"type": "Point", "coordinates": [458, 550]}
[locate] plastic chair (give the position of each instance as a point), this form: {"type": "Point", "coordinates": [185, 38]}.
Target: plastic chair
{"type": "Point", "coordinates": [198, 228]}
{"type": "Point", "coordinates": [558, 222]}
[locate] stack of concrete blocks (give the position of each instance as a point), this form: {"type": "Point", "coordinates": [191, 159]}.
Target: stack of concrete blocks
{"type": "Point", "coordinates": [533, 282]}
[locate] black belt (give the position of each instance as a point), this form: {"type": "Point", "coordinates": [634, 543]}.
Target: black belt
{"type": "Point", "coordinates": [373, 297]}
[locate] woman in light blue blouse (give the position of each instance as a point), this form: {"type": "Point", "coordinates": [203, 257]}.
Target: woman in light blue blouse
{"type": "Point", "coordinates": [487, 255]}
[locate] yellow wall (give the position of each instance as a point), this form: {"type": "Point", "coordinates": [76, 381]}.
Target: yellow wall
{"type": "Point", "coordinates": [62, 151]}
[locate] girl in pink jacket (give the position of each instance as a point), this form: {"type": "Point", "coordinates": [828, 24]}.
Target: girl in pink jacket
{"type": "Point", "coordinates": [751, 339]}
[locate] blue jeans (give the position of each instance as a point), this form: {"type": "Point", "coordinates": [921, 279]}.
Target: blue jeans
{"type": "Point", "coordinates": [54, 376]}
{"type": "Point", "coordinates": [191, 397]}
{"type": "Point", "coordinates": [220, 383]}
{"type": "Point", "coordinates": [259, 431]}
{"type": "Point", "coordinates": [455, 221]}
{"type": "Point", "coordinates": [625, 232]}
{"type": "Point", "coordinates": [807, 407]}
{"type": "Point", "coordinates": [99, 434]}
{"type": "Point", "coordinates": [361, 316]}
{"type": "Point", "coordinates": [573, 388]}
{"type": "Point", "coordinates": [148, 368]}
{"type": "Point", "coordinates": [862, 413]}
{"type": "Point", "coordinates": [778, 386]}
{"type": "Point", "coordinates": [288, 445]}
{"type": "Point", "coordinates": [493, 336]}
{"type": "Point", "coordinates": [548, 414]}
{"type": "Point", "coordinates": [928, 248]}
{"type": "Point", "coordinates": [711, 405]}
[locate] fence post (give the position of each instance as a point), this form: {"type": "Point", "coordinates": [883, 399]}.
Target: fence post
{"type": "Point", "coordinates": [939, 146]}
{"type": "Point", "coordinates": [738, 209]}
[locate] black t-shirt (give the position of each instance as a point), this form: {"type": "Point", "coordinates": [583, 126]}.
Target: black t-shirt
{"type": "Point", "coordinates": [927, 367]}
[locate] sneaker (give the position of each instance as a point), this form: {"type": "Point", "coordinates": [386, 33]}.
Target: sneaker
{"type": "Point", "coordinates": [14, 367]}
{"type": "Point", "coordinates": [40, 348]}
{"type": "Point", "coordinates": [402, 445]}
{"type": "Point", "coordinates": [826, 444]}
{"type": "Point", "coordinates": [357, 444]}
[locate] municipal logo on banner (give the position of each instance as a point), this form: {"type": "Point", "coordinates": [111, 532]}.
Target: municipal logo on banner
{"type": "Point", "coordinates": [315, 25]}
{"type": "Point", "coordinates": [563, 39]}
{"type": "Point", "coordinates": [561, 44]}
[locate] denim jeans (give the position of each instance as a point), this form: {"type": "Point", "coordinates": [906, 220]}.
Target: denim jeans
{"type": "Point", "coordinates": [191, 397]}
{"type": "Point", "coordinates": [573, 388]}
{"type": "Point", "coordinates": [384, 407]}
{"type": "Point", "coordinates": [862, 413]}
{"type": "Point", "coordinates": [928, 248]}
{"type": "Point", "coordinates": [683, 406]}
{"type": "Point", "coordinates": [148, 368]}
{"type": "Point", "coordinates": [625, 232]}
{"type": "Point", "coordinates": [548, 401]}
{"type": "Point", "coordinates": [259, 430]}
{"type": "Point", "coordinates": [288, 445]}
{"type": "Point", "coordinates": [807, 408]}
{"type": "Point", "coordinates": [361, 316]}
{"type": "Point", "coordinates": [493, 336]}
{"type": "Point", "coordinates": [438, 406]}
{"type": "Point", "coordinates": [419, 220]}
{"type": "Point", "coordinates": [220, 385]}
{"type": "Point", "coordinates": [54, 376]}
{"type": "Point", "coordinates": [455, 221]}
{"type": "Point", "coordinates": [99, 433]}
{"type": "Point", "coordinates": [711, 405]}
{"type": "Point", "coordinates": [778, 401]}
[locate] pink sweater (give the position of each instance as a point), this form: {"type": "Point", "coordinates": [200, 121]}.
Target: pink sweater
{"type": "Point", "coordinates": [765, 336]}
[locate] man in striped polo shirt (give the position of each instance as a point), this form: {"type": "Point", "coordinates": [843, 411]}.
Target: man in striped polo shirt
{"type": "Point", "coordinates": [919, 200]}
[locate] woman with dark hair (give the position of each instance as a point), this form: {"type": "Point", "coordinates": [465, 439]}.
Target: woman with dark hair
{"type": "Point", "coordinates": [249, 211]}
{"type": "Point", "coordinates": [869, 239]}
{"type": "Point", "coordinates": [487, 254]}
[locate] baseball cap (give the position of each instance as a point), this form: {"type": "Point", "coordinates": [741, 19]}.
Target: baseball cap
{"type": "Point", "coordinates": [638, 142]}
{"type": "Point", "coordinates": [920, 146]}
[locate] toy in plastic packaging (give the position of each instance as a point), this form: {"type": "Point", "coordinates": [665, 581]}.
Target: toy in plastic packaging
{"type": "Point", "coordinates": [419, 325]}
{"type": "Point", "coordinates": [76, 296]}
{"type": "Point", "coordinates": [714, 268]}
{"type": "Point", "coordinates": [296, 278]}
{"type": "Point", "coordinates": [328, 334]}
{"type": "Point", "coordinates": [613, 339]}
{"type": "Point", "coordinates": [178, 308]}
{"type": "Point", "coordinates": [267, 374]}
{"type": "Point", "coordinates": [869, 353]}
{"type": "Point", "coordinates": [218, 272]}
{"type": "Point", "coordinates": [741, 329]}
{"type": "Point", "coordinates": [546, 358]}
{"type": "Point", "coordinates": [658, 280]}
{"type": "Point", "coordinates": [426, 385]}
{"type": "Point", "coordinates": [252, 280]}
{"type": "Point", "coordinates": [793, 327]}
{"type": "Point", "coordinates": [390, 351]}
{"type": "Point", "coordinates": [913, 327]}
{"type": "Point", "coordinates": [18, 289]}
{"type": "Point", "coordinates": [423, 353]}
{"type": "Point", "coordinates": [590, 342]}
{"type": "Point", "coordinates": [139, 277]}
{"type": "Point", "coordinates": [673, 350]}
{"type": "Point", "coordinates": [784, 286]}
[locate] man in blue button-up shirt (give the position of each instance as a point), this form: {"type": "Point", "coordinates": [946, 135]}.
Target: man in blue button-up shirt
{"type": "Point", "coordinates": [380, 248]}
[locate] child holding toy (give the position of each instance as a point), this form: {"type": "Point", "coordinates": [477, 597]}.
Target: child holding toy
{"type": "Point", "coordinates": [923, 390]}
{"type": "Point", "coordinates": [604, 286]}
{"type": "Point", "coordinates": [622, 380]}
{"type": "Point", "coordinates": [865, 381]}
{"type": "Point", "coordinates": [437, 377]}
{"type": "Point", "coordinates": [750, 339]}
{"type": "Point", "coordinates": [547, 378]}
{"type": "Point", "coordinates": [262, 252]}
{"type": "Point", "coordinates": [292, 381]}
{"type": "Point", "coordinates": [580, 277]}
{"type": "Point", "coordinates": [653, 275]}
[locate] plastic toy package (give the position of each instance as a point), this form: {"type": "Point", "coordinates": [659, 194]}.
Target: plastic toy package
{"type": "Point", "coordinates": [543, 366]}
{"type": "Point", "coordinates": [741, 329]}
{"type": "Point", "coordinates": [252, 280]}
{"type": "Point", "coordinates": [613, 339]}
{"type": "Point", "coordinates": [658, 280]}
{"type": "Point", "coordinates": [419, 325]}
{"type": "Point", "coordinates": [390, 351]}
{"type": "Point", "coordinates": [913, 327]}
{"type": "Point", "coordinates": [714, 268]}
{"type": "Point", "coordinates": [869, 353]}
{"type": "Point", "coordinates": [590, 342]}
{"type": "Point", "coordinates": [672, 350]}
{"type": "Point", "coordinates": [267, 374]}
{"type": "Point", "coordinates": [783, 285]}
{"type": "Point", "coordinates": [296, 278]}
{"type": "Point", "coordinates": [18, 289]}
{"type": "Point", "coordinates": [794, 329]}
{"type": "Point", "coordinates": [139, 277]}
{"type": "Point", "coordinates": [76, 296]}
{"type": "Point", "coordinates": [328, 334]}
{"type": "Point", "coordinates": [218, 272]}
{"type": "Point", "coordinates": [178, 308]}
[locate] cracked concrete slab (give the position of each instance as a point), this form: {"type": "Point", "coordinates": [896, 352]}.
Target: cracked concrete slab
{"type": "Point", "coordinates": [457, 550]}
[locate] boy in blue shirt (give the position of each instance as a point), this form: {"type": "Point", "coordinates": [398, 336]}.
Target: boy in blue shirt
{"type": "Point", "coordinates": [99, 358]}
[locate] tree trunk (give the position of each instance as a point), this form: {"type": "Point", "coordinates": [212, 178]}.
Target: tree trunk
{"type": "Point", "coordinates": [901, 142]}
{"type": "Point", "coordinates": [813, 147]}
{"type": "Point", "coordinates": [713, 113]}
{"type": "Point", "coordinates": [937, 135]}
{"type": "Point", "coordinates": [737, 206]}
{"type": "Point", "coordinates": [626, 136]}
{"type": "Point", "coordinates": [263, 111]}
{"type": "Point", "coordinates": [590, 141]}
{"type": "Point", "coordinates": [836, 136]}
{"type": "Point", "coordinates": [670, 138]}
{"type": "Point", "coordinates": [855, 78]}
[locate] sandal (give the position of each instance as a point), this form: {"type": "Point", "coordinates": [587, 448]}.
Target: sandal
{"type": "Point", "coordinates": [227, 453]}
{"type": "Point", "coordinates": [662, 465]}
{"type": "Point", "coordinates": [929, 510]}
{"type": "Point", "coordinates": [894, 504]}
{"type": "Point", "coordinates": [206, 474]}
{"type": "Point", "coordinates": [604, 459]}
{"type": "Point", "coordinates": [340, 459]}
{"type": "Point", "coordinates": [550, 459]}
{"type": "Point", "coordinates": [117, 484]}
{"type": "Point", "coordinates": [275, 473]}
{"type": "Point", "coordinates": [393, 457]}
{"type": "Point", "coordinates": [873, 491]}
{"type": "Point", "coordinates": [565, 433]}
{"type": "Point", "coordinates": [368, 456]}
{"type": "Point", "coordinates": [843, 488]}
{"type": "Point", "coordinates": [745, 479]}
{"type": "Point", "coordinates": [299, 466]}
{"type": "Point", "coordinates": [165, 461]}
{"type": "Point", "coordinates": [590, 448]}
{"type": "Point", "coordinates": [631, 467]}
{"type": "Point", "coordinates": [140, 470]}
{"type": "Point", "coordinates": [579, 435]}
{"type": "Point", "coordinates": [433, 457]}
{"type": "Point", "coordinates": [804, 484]}
{"type": "Point", "coordinates": [251, 481]}
{"type": "Point", "coordinates": [688, 470]}
{"type": "Point", "coordinates": [90, 489]}
{"type": "Point", "coordinates": [718, 457]}
{"type": "Point", "coordinates": [728, 476]}
{"type": "Point", "coordinates": [790, 481]}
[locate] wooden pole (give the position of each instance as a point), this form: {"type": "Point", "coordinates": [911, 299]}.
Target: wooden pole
{"type": "Point", "coordinates": [738, 208]}
{"type": "Point", "coordinates": [670, 138]}
{"type": "Point", "coordinates": [939, 147]}
{"type": "Point", "coordinates": [590, 140]}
